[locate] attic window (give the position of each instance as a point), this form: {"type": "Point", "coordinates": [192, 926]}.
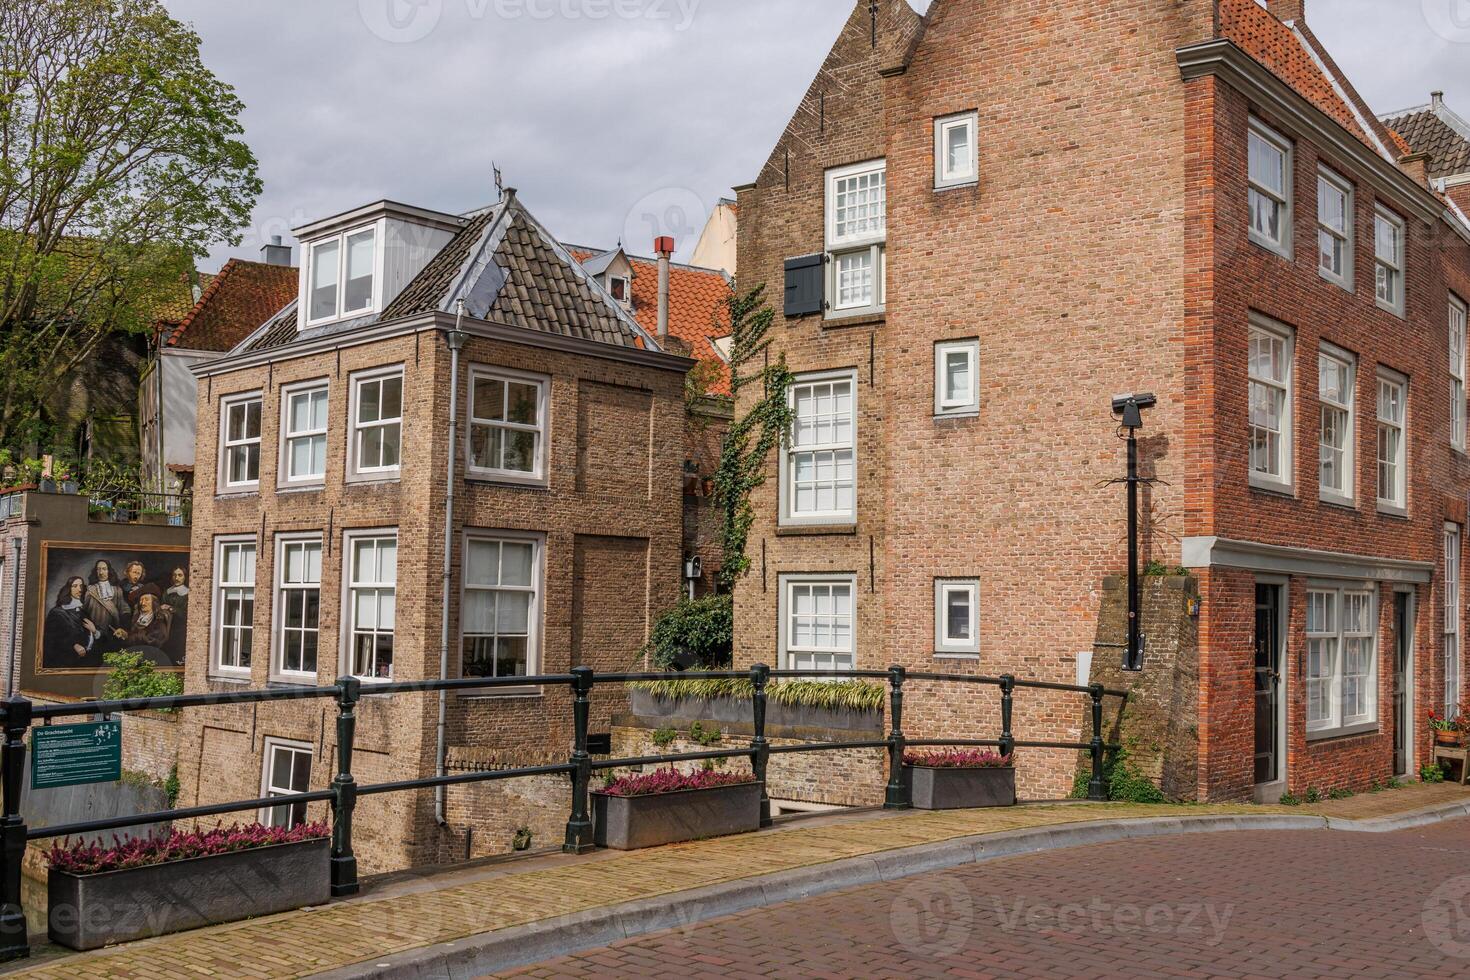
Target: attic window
{"type": "Point", "coordinates": [621, 289]}
{"type": "Point", "coordinates": [341, 275]}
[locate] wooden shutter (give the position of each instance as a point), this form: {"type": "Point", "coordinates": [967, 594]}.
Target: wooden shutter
{"type": "Point", "coordinates": [804, 281]}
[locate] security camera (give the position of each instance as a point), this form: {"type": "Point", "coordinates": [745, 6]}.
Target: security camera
{"type": "Point", "coordinates": [1131, 408]}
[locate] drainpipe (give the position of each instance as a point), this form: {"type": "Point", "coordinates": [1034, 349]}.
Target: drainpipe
{"type": "Point", "coordinates": [456, 341]}
{"type": "Point", "coordinates": [15, 545]}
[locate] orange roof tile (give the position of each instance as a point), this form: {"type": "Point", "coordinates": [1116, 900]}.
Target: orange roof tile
{"type": "Point", "coordinates": [697, 311]}
{"type": "Point", "coordinates": [241, 297]}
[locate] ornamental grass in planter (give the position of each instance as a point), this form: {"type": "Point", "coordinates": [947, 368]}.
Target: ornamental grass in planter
{"type": "Point", "coordinates": [960, 779]}
{"type": "Point", "coordinates": [668, 806]}
{"type": "Point", "coordinates": [156, 885]}
{"type": "Point", "coordinates": [1448, 731]}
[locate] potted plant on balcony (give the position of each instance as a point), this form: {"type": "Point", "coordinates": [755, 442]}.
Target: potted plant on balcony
{"type": "Point", "coordinates": [668, 806]}
{"type": "Point", "coordinates": [960, 779]}
{"type": "Point", "coordinates": [152, 886]}
{"type": "Point", "coordinates": [1447, 731]}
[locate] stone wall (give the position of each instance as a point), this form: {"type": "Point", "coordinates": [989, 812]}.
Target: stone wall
{"type": "Point", "coordinates": [150, 743]}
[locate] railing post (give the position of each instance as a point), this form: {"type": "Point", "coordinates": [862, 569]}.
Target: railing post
{"type": "Point", "coordinates": [1096, 790]}
{"type": "Point", "coordinates": [344, 862]}
{"type": "Point", "coordinates": [1007, 703]}
{"type": "Point", "coordinates": [13, 941]}
{"type": "Point", "coordinates": [898, 797]}
{"type": "Point", "coordinates": [579, 827]}
{"type": "Point", "coordinates": [760, 752]}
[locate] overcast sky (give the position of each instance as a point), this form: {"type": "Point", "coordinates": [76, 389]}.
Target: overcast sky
{"type": "Point", "coordinates": [610, 116]}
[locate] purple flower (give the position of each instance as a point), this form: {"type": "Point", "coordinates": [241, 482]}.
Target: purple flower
{"type": "Point", "coordinates": [179, 845]}
{"type": "Point", "coordinates": [673, 781]}
{"type": "Point", "coordinates": [959, 759]}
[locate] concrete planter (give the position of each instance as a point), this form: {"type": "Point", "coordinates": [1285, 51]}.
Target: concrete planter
{"type": "Point", "coordinates": [961, 789]}
{"type": "Point", "coordinates": [92, 911]}
{"type": "Point", "coordinates": [626, 823]}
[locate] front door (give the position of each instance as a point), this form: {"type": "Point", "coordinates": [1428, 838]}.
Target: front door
{"type": "Point", "coordinates": [1403, 672]}
{"type": "Point", "coordinates": [1268, 684]}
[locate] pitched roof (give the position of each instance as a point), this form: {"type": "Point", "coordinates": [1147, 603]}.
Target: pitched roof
{"type": "Point", "coordinates": [1432, 129]}
{"type": "Point", "coordinates": [1295, 55]}
{"type": "Point", "coordinates": [236, 301]}
{"type": "Point", "coordinates": [697, 311]}
{"type": "Point", "coordinates": [506, 268]}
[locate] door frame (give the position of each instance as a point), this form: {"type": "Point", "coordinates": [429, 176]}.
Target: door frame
{"type": "Point", "coordinates": [1411, 617]}
{"type": "Point", "coordinates": [1272, 792]}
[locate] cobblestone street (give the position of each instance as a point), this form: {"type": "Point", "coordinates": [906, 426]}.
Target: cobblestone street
{"type": "Point", "coordinates": [1247, 904]}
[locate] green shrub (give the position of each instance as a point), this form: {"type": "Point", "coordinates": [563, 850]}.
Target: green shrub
{"type": "Point", "coordinates": [1124, 782]}
{"type": "Point", "coordinates": [1313, 796]}
{"type": "Point", "coordinates": [705, 736]}
{"type": "Point", "coordinates": [697, 634]}
{"type": "Point", "coordinates": [664, 737]}
{"type": "Point", "coordinates": [171, 786]}
{"type": "Point", "coordinates": [1341, 793]}
{"type": "Point", "coordinates": [134, 676]}
{"type": "Point", "coordinates": [1289, 799]}
{"type": "Point", "coordinates": [1431, 773]}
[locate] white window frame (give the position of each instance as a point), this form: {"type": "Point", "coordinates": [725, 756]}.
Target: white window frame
{"type": "Point", "coordinates": [278, 604]}
{"type": "Point", "coordinates": [309, 268]}
{"type": "Point", "coordinates": [1399, 502]}
{"type": "Point", "coordinates": [970, 404]}
{"type": "Point", "coordinates": [945, 645]}
{"type": "Point", "coordinates": [627, 281]}
{"type": "Point", "coordinates": [1284, 481]}
{"type": "Point", "coordinates": [943, 126]}
{"type": "Point", "coordinates": [228, 445]}
{"type": "Point", "coordinates": [218, 587]}
{"type": "Point", "coordinates": [537, 590]}
{"type": "Point", "coordinates": [789, 651]}
{"type": "Point", "coordinates": [1271, 137]}
{"type": "Point", "coordinates": [288, 394]}
{"type": "Point", "coordinates": [268, 785]}
{"type": "Point", "coordinates": [538, 474]}
{"type": "Point", "coordinates": [1453, 604]}
{"type": "Point", "coordinates": [350, 587]}
{"type": "Point", "coordinates": [1330, 179]}
{"type": "Point", "coordinates": [1459, 324]}
{"type": "Point", "coordinates": [789, 454]}
{"type": "Point", "coordinates": [355, 469]}
{"type": "Point", "coordinates": [872, 242]}
{"type": "Point", "coordinates": [1396, 266]}
{"type": "Point", "coordinates": [1348, 407]}
{"type": "Point", "coordinates": [1337, 635]}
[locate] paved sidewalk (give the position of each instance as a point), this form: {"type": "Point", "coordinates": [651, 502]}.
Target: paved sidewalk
{"type": "Point", "coordinates": [404, 914]}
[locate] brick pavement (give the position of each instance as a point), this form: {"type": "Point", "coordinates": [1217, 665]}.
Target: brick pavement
{"type": "Point", "coordinates": [1264, 904]}
{"type": "Point", "coordinates": [430, 908]}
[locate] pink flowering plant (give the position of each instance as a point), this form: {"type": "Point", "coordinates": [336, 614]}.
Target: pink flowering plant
{"type": "Point", "coordinates": [959, 759]}
{"type": "Point", "coordinates": [180, 845]}
{"type": "Point", "coordinates": [672, 781]}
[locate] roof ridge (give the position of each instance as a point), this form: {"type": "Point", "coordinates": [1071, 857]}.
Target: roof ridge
{"type": "Point", "coordinates": [1412, 110]}
{"type": "Point", "coordinates": [204, 294]}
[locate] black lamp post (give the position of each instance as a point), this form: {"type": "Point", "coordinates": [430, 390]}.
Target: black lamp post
{"type": "Point", "coordinates": [1130, 410]}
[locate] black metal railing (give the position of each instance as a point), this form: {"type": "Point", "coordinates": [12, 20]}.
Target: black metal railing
{"type": "Point", "coordinates": [19, 714]}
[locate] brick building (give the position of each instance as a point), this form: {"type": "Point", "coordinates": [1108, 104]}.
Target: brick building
{"type": "Point", "coordinates": [321, 499]}
{"type": "Point", "coordinates": [990, 219]}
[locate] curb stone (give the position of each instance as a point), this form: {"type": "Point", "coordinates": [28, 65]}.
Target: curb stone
{"type": "Point", "coordinates": [521, 945]}
{"type": "Point", "coordinates": [1402, 821]}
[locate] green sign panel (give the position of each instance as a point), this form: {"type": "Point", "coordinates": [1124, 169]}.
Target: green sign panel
{"type": "Point", "coordinates": [69, 755]}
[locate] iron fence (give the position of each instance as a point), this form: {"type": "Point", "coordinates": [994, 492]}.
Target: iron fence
{"type": "Point", "coordinates": [19, 714]}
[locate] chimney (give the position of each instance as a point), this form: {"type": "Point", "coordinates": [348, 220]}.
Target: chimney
{"type": "Point", "coordinates": [1288, 10]}
{"type": "Point", "coordinates": [1436, 101]}
{"type": "Point", "coordinates": [664, 247]}
{"type": "Point", "coordinates": [1416, 165]}
{"type": "Point", "coordinates": [275, 253]}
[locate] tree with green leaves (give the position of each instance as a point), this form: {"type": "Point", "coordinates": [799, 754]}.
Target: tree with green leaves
{"type": "Point", "coordinates": [753, 435]}
{"type": "Point", "coordinates": [120, 162]}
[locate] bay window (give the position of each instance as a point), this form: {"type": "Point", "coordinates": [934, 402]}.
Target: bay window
{"type": "Point", "coordinates": [1342, 661]}
{"type": "Point", "coordinates": [1270, 408]}
{"type": "Point", "coordinates": [818, 478]}
{"type": "Point", "coordinates": [1269, 188]}
{"type": "Point", "coordinates": [817, 622]}
{"type": "Point", "coordinates": [1335, 380]}
{"type": "Point", "coordinates": [857, 203]}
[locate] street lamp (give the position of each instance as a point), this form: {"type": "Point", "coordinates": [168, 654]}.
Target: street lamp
{"type": "Point", "coordinates": [1129, 410]}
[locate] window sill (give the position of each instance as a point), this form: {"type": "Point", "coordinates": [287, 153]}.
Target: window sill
{"type": "Point", "coordinates": [858, 318]}
{"type": "Point", "coordinates": [956, 655]}
{"type": "Point", "coordinates": [1340, 734]}
{"type": "Point", "coordinates": [235, 679]}
{"type": "Point", "coordinates": [506, 480]}
{"type": "Point", "coordinates": [515, 693]}
{"type": "Point", "coordinates": [1341, 283]}
{"type": "Point", "coordinates": [238, 493]}
{"type": "Point", "coordinates": [969, 413]}
{"type": "Point", "coordinates": [305, 680]}
{"type": "Point", "coordinates": [956, 185]}
{"type": "Point", "coordinates": [1337, 500]}
{"type": "Point", "coordinates": [1385, 307]}
{"type": "Point", "coordinates": [372, 479]}
{"type": "Point", "coordinates": [1392, 510]}
{"type": "Point", "coordinates": [1276, 487]}
{"type": "Point", "coordinates": [815, 530]}
{"type": "Point", "coordinates": [302, 487]}
{"type": "Point", "coordinates": [1281, 251]}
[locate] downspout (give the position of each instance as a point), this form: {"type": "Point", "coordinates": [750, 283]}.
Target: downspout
{"type": "Point", "coordinates": [456, 341]}
{"type": "Point", "coordinates": [15, 571]}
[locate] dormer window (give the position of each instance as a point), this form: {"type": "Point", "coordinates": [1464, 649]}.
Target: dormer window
{"type": "Point", "coordinates": [621, 288]}
{"type": "Point", "coordinates": [341, 275]}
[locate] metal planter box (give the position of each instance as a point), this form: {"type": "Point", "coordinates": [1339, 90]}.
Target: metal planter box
{"type": "Point", "coordinates": [961, 789]}
{"type": "Point", "coordinates": [626, 823]}
{"type": "Point", "coordinates": [91, 911]}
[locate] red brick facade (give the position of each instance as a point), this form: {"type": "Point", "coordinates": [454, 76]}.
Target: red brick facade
{"type": "Point", "coordinates": [1104, 249]}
